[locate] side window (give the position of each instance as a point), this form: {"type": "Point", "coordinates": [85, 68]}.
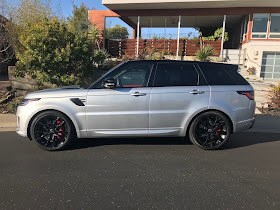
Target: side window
{"type": "Point", "coordinates": [217, 74]}
{"type": "Point", "coordinates": [175, 74]}
{"type": "Point", "coordinates": [133, 77]}
{"type": "Point", "coordinates": [131, 74]}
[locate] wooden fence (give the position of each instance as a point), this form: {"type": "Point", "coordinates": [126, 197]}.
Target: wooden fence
{"type": "Point", "coordinates": [119, 48]}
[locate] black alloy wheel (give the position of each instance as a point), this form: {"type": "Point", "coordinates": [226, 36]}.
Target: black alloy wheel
{"type": "Point", "coordinates": [52, 130]}
{"type": "Point", "coordinates": [210, 130]}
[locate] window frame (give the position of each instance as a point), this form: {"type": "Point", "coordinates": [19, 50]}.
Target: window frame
{"type": "Point", "coordinates": [267, 27]}
{"type": "Point", "coordinates": [273, 33]}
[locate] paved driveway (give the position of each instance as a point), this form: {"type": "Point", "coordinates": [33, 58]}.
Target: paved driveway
{"type": "Point", "coordinates": [158, 173]}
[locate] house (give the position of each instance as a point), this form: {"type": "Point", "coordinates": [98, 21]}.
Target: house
{"type": "Point", "coordinates": [253, 26]}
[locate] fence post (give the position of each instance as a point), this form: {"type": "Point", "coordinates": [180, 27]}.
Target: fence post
{"type": "Point", "coordinates": [120, 48]}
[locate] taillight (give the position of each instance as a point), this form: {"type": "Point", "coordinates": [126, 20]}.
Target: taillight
{"type": "Point", "coordinates": [249, 94]}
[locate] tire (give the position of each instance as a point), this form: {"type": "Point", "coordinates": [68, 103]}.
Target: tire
{"type": "Point", "coordinates": [52, 130]}
{"type": "Point", "coordinates": [210, 130]}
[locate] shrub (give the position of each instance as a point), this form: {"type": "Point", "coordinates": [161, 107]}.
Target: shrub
{"type": "Point", "coordinates": [274, 96]}
{"type": "Point", "coordinates": [52, 53]}
{"type": "Point", "coordinates": [204, 53]}
{"type": "Point", "coordinates": [12, 106]}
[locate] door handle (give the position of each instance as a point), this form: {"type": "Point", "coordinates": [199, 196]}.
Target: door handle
{"type": "Point", "coordinates": [196, 92]}
{"type": "Point", "coordinates": [136, 94]}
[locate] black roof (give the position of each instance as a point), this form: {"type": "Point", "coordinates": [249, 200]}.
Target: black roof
{"type": "Point", "coordinates": [179, 61]}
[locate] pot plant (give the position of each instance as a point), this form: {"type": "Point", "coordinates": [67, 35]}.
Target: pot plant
{"type": "Point", "coordinates": [251, 70]}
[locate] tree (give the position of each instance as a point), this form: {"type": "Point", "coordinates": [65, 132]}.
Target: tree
{"type": "Point", "coordinates": [7, 53]}
{"type": "Point", "coordinates": [217, 35]}
{"type": "Point", "coordinates": [55, 54]}
{"type": "Point", "coordinates": [78, 22]}
{"type": "Point", "coordinates": [117, 32]}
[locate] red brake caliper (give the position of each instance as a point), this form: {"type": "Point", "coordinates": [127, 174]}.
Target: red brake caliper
{"type": "Point", "coordinates": [60, 129]}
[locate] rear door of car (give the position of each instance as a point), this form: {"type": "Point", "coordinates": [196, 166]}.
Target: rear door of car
{"type": "Point", "coordinates": [227, 86]}
{"type": "Point", "coordinates": [178, 91]}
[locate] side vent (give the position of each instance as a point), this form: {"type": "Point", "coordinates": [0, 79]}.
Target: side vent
{"type": "Point", "coordinates": [78, 102]}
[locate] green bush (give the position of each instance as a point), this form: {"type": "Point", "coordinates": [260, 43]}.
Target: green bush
{"type": "Point", "coordinates": [204, 53]}
{"type": "Point", "coordinates": [274, 96]}
{"type": "Point", "coordinates": [50, 52]}
{"type": "Point", "coordinates": [217, 35]}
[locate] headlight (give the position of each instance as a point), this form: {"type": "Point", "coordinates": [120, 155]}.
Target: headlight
{"type": "Point", "coordinates": [27, 101]}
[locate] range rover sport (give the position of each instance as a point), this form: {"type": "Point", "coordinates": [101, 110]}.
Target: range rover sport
{"type": "Point", "coordinates": [205, 102]}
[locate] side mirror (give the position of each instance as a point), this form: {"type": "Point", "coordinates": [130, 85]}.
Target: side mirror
{"type": "Point", "coordinates": [109, 83]}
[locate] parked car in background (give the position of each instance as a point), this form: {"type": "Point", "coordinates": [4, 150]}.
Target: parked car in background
{"type": "Point", "coordinates": [205, 102]}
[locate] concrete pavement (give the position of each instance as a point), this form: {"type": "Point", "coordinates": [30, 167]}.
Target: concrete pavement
{"type": "Point", "coordinates": [8, 122]}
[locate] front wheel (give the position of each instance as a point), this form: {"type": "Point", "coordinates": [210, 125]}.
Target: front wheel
{"type": "Point", "coordinates": [52, 130]}
{"type": "Point", "coordinates": [210, 130]}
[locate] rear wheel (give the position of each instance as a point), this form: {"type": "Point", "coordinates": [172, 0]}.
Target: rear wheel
{"type": "Point", "coordinates": [52, 130]}
{"type": "Point", "coordinates": [210, 130]}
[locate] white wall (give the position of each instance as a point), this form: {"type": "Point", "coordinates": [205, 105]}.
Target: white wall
{"type": "Point", "coordinates": [232, 56]}
{"type": "Point", "coordinates": [254, 51]}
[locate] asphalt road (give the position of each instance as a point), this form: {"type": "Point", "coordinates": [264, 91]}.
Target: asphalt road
{"type": "Point", "coordinates": [158, 173]}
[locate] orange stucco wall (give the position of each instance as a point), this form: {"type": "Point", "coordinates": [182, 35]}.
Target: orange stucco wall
{"type": "Point", "coordinates": [97, 17]}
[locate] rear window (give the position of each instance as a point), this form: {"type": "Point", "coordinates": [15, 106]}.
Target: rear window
{"type": "Point", "coordinates": [222, 74]}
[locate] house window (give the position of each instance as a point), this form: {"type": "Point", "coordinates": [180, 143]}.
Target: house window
{"type": "Point", "coordinates": [259, 30]}
{"type": "Point", "coordinates": [274, 32]}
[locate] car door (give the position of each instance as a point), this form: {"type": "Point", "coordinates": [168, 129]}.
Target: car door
{"type": "Point", "coordinates": [123, 110]}
{"type": "Point", "coordinates": [179, 91]}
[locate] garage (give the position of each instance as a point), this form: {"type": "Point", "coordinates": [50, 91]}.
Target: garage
{"type": "Point", "coordinates": [271, 65]}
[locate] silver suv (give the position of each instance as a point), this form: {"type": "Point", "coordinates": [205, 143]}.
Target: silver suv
{"type": "Point", "coordinates": [204, 101]}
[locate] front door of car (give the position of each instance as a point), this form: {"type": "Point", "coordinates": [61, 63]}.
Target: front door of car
{"type": "Point", "coordinates": [124, 109]}
{"type": "Point", "coordinates": [178, 92]}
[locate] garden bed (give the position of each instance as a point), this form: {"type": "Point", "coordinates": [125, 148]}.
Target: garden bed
{"type": "Point", "coordinates": [270, 111]}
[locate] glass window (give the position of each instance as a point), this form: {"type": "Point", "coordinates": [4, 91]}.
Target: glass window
{"type": "Point", "coordinates": [267, 69]}
{"type": "Point", "coordinates": [128, 75]}
{"type": "Point", "coordinates": [220, 74]}
{"type": "Point", "coordinates": [268, 61]}
{"type": "Point", "coordinates": [176, 74]}
{"type": "Point", "coordinates": [274, 32]}
{"type": "Point", "coordinates": [276, 76]}
{"type": "Point", "coordinates": [266, 75]}
{"type": "Point", "coordinates": [268, 55]}
{"type": "Point", "coordinates": [260, 25]}
{"type": "Point", "coordinates": [277, 69]}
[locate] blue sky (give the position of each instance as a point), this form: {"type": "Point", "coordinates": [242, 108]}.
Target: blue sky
{"type": "Point", "coordinates": [66, 7]}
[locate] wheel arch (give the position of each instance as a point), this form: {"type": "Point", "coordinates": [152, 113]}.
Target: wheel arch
{"type": "Point", "coordinates": [45, 110]}
{"type": "Point", "coordinates": [208, 110]}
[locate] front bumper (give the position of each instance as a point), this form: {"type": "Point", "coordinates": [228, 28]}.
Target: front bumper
{"type": "Point", "coordinates": [23, 118]}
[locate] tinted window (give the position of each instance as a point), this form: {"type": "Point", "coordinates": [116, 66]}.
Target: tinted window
{"type": "Point", "coordinates": [131, 74]}
{"type": "Point", "coordinates": [220, 74]}
{"type": "Point", "coordinates": [175, 74]}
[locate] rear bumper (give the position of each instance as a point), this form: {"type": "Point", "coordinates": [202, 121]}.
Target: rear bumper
{"type": "Point", "coordinates": [244, 125]}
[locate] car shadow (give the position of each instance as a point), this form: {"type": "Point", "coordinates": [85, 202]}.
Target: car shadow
{"type": "Point", "coordinates": [237, 140]}
{"type": "Point", "coordinates": [244, 139]}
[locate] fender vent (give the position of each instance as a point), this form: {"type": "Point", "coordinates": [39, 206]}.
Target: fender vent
{"type": "Point", "coordinates": [78, 102]}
